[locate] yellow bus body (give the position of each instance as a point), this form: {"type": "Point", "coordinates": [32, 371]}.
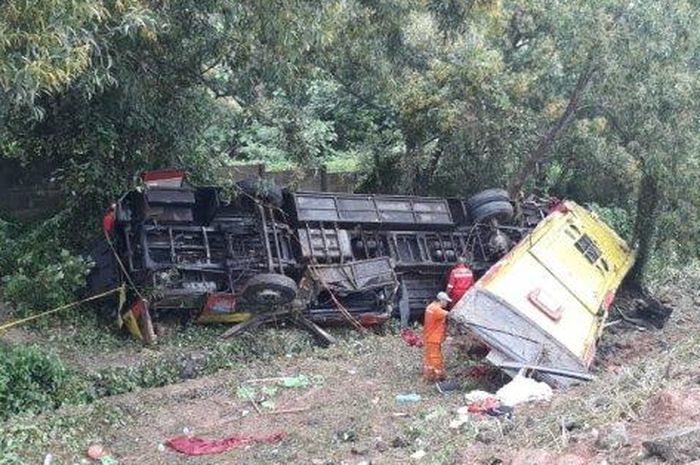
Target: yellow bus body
{"type": "Point", "coordinates": [550, 294]}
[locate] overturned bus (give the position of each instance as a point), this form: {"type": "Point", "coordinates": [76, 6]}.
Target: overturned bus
{"type": "Point", "coordinates": [543, 305]}
{"type": "Point", "coordinates": [197, 254]}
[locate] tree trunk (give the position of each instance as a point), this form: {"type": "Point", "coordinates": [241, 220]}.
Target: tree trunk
{"type": "Point", "coordinates": [539, 154]}
{"type": "Point", "coordinates": [648, 201]}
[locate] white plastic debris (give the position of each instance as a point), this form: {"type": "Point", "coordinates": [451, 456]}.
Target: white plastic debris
{"type": "Point", "coordinates": [522, 389]}
{"type": "Point", "coordinates": [419, 454]}
{"type": "Point", "coordinates": [473, 397]}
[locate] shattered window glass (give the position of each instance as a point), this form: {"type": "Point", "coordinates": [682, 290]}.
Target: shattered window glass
{"type": "Point", "coordinates": [588, 248]}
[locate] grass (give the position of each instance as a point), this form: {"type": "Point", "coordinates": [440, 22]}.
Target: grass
{"type": "Point", "coordinates": [65, 432]}
{"type": "Point", "coordinates": [351, 407]}
{"type": "Point", "coordinates": [103, 362]}
{"type": "Point", "coordinates": [612, 398]}
{"type": "Point", "coordinates": [362, 375]}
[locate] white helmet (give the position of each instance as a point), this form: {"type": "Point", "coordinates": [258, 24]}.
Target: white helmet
{"type": "Point", "coordinates": [442, 296]}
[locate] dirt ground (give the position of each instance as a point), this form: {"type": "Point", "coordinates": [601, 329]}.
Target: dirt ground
{"type": "Point", "coordinates": [648, 383]}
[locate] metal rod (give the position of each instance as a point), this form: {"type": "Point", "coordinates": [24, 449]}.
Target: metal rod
{"type": "Point", "coordinates": [173, 258]}
{"type": "Point", "coordinates": [206, 244]}
{"type": "Point", "coordinates": [266, 239]}
{"type": "Point", "coordinates": [542, 369]}
{"type": "Point", "coordinates": [277, 243]}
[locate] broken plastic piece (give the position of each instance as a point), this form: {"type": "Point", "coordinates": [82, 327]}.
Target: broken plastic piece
{"type": "Point", "coordinates": [406, 398]}
{"type": "Point", "coordinates": [522, 389]}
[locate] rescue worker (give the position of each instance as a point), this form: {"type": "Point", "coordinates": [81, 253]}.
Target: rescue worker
{"type": "Point", "coordinates": [434, 333]}
{"type": "Point", "coordinates": [460, 280]}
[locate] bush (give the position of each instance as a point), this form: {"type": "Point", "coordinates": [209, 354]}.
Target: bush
{"type": "Point", "coordinates": [31, 381]}
{"type": "Point", "coordinates": [38, 286]}
{"type": "Point", "coordinates": [38, 271]}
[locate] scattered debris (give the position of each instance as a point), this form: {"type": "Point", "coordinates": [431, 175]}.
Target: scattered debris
{"type": "Point", "coordinates": [676, 447]}
{"type": "Point", "coordinates": [489, 406]}
{"type": "Point", "coordinates": [479, 403]}
{"type": "Point", "coordinates": [407, 398]}
{"type": "Point", "coordinates": [477, 396]}
{"type": "Point", "coordinates": [411, 338]}
{"type": "Point", "coordinates": [523, 389]}
{"type": "Point", "coordinates": [95, 452]}
{"type": "Point", "coordinates": [199, 446]}
{"type": "Point", "coordinates": [419, 454]}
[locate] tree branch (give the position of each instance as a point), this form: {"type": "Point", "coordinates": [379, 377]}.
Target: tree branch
{"type": "Point", "coordinates": [541, 151]}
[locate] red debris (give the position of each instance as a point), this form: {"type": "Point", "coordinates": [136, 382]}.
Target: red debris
{"type": "Point", "coordinates": [95, 452]}
{"type": "Point", "coordinates": [411, 338]}
{"type": "Point", "coordinates": [487, 406]}
{"type": "Point", "coordinates": [200, 446]}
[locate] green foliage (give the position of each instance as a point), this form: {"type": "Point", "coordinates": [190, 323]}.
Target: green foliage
{"type": "Point", "coordinates": [7, 234]}
{"type": "Point", "coordinates": [423, 97]}
{"type": "Point", "coordinates": [617, 218]}
{"type": "Point", "coordinates": [39, 273]}
{"type": "Point", "coordinates": [31, 381]}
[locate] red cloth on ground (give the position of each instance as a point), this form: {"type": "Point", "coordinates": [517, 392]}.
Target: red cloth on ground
{"type": "Point", "coordinates": [411, 338]}
{"type": "Point", "coordinates": [200, 446]}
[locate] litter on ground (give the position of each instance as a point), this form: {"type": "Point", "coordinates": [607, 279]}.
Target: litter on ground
{"type": "Point", "coordinates": [523, 389]}
{"type": "Point", "coordinates": [411, 338]}
{"type": "Point", "coordinates": [407, 398]}
{"type": "Point", "coordinates": [200, 446]}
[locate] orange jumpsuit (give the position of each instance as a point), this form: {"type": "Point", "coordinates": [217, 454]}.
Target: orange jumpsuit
{"type": "Point", "coordinates": [434, 332]}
